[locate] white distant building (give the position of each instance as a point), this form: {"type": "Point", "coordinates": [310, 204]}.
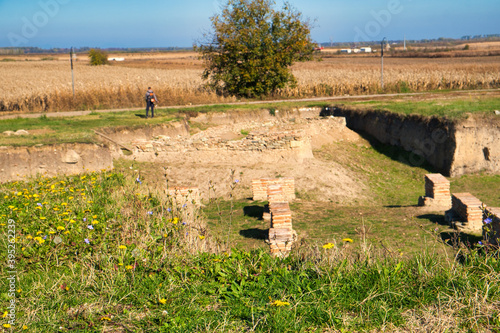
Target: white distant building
{"type": "Point", "coordinates": [356, 50]}
{"type": "Point", "coordinates": [345, 51]}
{"type": "Point", "coordinates": [116, 59]}
{"type": "Point", "coordinates": [366, 49]}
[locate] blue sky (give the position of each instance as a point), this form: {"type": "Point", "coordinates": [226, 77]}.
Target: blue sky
{"type": "Point", "coordinates": [164, 23]}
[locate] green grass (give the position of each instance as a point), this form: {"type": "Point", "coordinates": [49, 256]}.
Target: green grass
{"type": "Point", "coordinates": [452, 109]}
{"type": "Point", "coordinates": [140, 270]}
{"type": "Point", "coordinates": [74, 129]}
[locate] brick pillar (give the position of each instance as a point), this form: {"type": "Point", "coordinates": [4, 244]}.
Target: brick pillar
{"type": "Point", "coordinates": [183, 195]}
{"type": "Point", "coordinates": [468, 210]}
{"type": "Point", "coordinates": [259, 187]}
{"type": "Point", "coordinates": [491, 231]}
{"type": "Point", "coordinates": [437, 192]}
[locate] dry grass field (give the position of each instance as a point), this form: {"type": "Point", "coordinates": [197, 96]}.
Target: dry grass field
{"type": "Point", "coordinates": [43, 83]}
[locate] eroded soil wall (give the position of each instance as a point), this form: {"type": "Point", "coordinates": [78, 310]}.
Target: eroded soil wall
{"type": "Point", "coordinates": [17, 163]}
{"type": "Point", "coordinates": [452, 147]}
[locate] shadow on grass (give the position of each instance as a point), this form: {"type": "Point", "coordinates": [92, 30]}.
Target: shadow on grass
{"type": "Point", "coordinates": [400, 206]}
{"type": "Point", "coordinates": [254, 211]}
{"type": "Point", "coordinates": [398, 154]}
{"type": "Point", "coordinates": [140, 115]}
{"type": "Point", "coordinates": [459, 239]}
{"type": "Point", "coordinates": [255, 233]}
{"type": "Point", "coordinates": [434, 218]}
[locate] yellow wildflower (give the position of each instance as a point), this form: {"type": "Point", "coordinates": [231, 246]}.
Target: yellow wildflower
{"type": "Point", "coordinates": [122, 247]}
{"type": "Point", "coordinates": [38, 207]}
{"type": "Point", "coordinates": [64, 204]}
{"type": "Point", "coordinates": [328, 245]}
{"type": "Point", "coordinates": [5, 314]}
{"type": "Point", "coordinates": [51, 232]}
{"type": "Point", "coordinates": [19, 194]}
{"type": "Point", "coordinates": [279, 303]}
{"type": "Point", "coordinates": [29, 237]}
{"type": "Point", "coordinates": [60, 228]}
{"type": "Point", "coordinates": [39, 232]}
{"type": "Point", "coordinates": [162, 301]}
{"type": "Point", "coordinates": [348, 240]}
{"type": "Point", "coordinates": [25, 327]}
{"type": "Point", "coordinates": [6, 325]}
{"type": "Point", "coordinates": [201, 237]}
{"type": "Point", "coordinates": [129, 267]}
{"type": "Point", "coordinates": [40, 240]}
{"type": "Point", "coordinates": [70, 198]}
{"type": "Point", "coordinates": [106, 318]}
{"type": "Point", "coordinates": [42, 218]}
{"type": "Point", "coordinates": [66, 232]}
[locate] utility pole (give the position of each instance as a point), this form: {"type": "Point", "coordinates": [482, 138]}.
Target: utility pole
{"type": "Point", "coordinates": [72, 75]}
{"type": "Point", "coordinates": [382, 59]}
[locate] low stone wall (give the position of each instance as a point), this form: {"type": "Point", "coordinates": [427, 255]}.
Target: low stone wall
{"type": "Point", "coordinates": [17, 163]}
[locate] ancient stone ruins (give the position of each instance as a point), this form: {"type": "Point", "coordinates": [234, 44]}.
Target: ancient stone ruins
{"type": "Point", "coordinates": [464, 211]}
{"type": "Point", "coordinates": [278, 193]}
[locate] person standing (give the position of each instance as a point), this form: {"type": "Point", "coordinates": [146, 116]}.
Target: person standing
{"type": "Point", "coordinates": [150, 102]}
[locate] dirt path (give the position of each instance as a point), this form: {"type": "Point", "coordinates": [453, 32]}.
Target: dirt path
{"type": "Point", "coordinates": [422, 96]}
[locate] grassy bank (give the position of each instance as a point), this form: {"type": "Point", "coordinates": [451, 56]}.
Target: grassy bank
{"type": "Point", "coordinates": [49, 130]}
{"type": "Point", "coordinates": [100, 252]}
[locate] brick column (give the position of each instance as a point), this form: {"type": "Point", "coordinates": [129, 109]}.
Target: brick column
{"type": "Point", "coordinates": [259, 187]}
{"type": "Point", "coordinates": [437, 192]}
{"type": "Point", "coordinates": [468, 210]}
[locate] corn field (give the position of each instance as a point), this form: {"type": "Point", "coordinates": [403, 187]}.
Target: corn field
{"type": "Point", "coordinates": [46, 85]}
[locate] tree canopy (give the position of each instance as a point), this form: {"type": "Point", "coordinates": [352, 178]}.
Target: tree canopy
{"type": "Point", "coordinates": [98, 57]}
{"type": "Point", "coordinates": [252, 46]}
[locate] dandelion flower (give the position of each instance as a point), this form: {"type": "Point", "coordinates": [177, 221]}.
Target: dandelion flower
{"type": "Point", "coordinates": [162, 301]}
{"type": "Point", "coordinates": [328, 245]}
{"type": "Point", "coordinates": [60, 228]}
{"type": "Point", "coordinates": [6, 325]}
{"type": "Point", "coordinates": [105, 318]}
{"type": "Point", "coordinates": [40, 240]}
{"type": "Point", "coordinates": [129, 267]}
{"type": "Point", "coordinates": [122, 247]}
{"type": "Point", "coordinates": [279, 303]}
{"type": "Point", "coordinates": [25, 327]}
{"type": "Point", "coordinates": [5, 314]}
{"type": "Point", "coordinates": [51, 232]}
{"type": "Point", "coordinates": [347, 240]}
{"type": "Point", "coordinates": [201, 237]}
{"type": "Point", "coordinates": [42, 218]}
